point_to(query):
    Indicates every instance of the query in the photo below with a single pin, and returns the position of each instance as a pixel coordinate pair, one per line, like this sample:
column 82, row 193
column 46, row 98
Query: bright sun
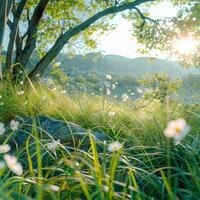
column 185, row 45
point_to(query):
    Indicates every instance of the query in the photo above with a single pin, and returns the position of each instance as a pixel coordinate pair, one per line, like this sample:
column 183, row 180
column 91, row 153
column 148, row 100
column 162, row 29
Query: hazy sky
column 121, row 42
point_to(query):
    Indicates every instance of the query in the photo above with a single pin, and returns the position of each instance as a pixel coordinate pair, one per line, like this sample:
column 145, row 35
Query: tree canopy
column 163, row 34
column 48, row 26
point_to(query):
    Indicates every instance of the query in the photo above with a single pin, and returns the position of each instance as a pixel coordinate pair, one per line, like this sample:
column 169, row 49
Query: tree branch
column 3, row 12
column 64, row 38
column 9, row 7
column 3, row 21
column 32, row 32
column 28, row 20
column 13, row 33
column 144, row 18
column 18, row 43
column 9, row 23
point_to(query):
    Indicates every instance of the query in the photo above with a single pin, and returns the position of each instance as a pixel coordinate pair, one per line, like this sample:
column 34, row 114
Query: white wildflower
column 113, row 86
column 13, row 164
column 54, row 89
column 63, row 91
column 14, row 125
column 78, row 173
column 76, row 163
column 49, row 81
column 4, row 148
column 52, row 145
column 108, row 77
column 132, row 93
column 19, row 93
column 54, row 188
column 115, row 146
column 105, row 188
column 107, row 91
column 21, row 82
column 177, row 129
column 125, row 97
column 1, row 103
column 148, row 91
column 57, row 64
column 111, row 113
column 2, row 128
column 44, row 98
column 139, row 91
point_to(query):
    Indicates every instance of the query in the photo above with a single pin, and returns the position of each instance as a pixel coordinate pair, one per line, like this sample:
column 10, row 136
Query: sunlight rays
column 185, row 45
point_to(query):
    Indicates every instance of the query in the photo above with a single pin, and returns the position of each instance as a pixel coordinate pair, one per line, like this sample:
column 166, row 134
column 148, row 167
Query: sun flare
column 185, row 45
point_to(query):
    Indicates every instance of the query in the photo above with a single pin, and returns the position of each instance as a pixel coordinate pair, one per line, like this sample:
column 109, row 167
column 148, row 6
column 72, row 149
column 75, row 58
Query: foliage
column 160, row 86
column 58, row 75
column 193, row 81
column 47, row 26
column 168, row 30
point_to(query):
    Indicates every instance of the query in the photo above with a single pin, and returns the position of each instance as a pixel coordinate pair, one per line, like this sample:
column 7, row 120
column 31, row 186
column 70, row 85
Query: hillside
column 118, row 65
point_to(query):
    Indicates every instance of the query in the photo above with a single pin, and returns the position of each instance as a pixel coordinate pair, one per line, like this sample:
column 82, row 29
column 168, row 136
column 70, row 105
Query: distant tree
column 58, row 75
column 192, row 81
column 46, row 26
column 159, row 86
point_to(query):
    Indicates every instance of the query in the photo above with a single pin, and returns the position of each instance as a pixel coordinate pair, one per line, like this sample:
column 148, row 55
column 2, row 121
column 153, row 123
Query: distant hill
column 119, row 65
column 87, row 74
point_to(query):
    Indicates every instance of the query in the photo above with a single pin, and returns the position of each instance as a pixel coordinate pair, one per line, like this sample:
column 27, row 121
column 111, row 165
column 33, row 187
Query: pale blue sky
column 121, row 42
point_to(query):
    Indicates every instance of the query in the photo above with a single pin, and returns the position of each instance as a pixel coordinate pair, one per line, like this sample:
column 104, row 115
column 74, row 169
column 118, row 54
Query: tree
column 168, row 30
column 47, row 26
column 5, row 6
column 160, row 87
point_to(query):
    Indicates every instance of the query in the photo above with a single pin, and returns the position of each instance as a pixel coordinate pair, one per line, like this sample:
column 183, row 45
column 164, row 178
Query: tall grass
column 140, row 170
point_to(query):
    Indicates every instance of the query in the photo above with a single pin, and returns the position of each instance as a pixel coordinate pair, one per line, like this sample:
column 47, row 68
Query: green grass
column 148, row 167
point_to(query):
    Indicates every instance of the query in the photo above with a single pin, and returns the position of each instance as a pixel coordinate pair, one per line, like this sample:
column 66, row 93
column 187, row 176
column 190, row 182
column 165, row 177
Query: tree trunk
column 23, row 55
column 47, row 59
column 3, row 14
column 13, row 34
column 32, row 33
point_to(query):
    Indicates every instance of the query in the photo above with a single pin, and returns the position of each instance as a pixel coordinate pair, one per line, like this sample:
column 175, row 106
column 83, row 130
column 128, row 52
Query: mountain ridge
column 123, row 66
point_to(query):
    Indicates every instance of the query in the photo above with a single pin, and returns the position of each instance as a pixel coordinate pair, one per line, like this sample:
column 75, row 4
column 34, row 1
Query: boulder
column 48, row 128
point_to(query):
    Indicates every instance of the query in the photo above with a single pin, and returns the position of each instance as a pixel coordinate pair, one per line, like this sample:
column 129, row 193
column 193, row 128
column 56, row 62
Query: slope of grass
column 148, row 167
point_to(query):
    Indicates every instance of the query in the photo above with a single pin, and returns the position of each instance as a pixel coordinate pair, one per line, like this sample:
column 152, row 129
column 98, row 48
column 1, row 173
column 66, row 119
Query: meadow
column 137, row 162
column 99, row 100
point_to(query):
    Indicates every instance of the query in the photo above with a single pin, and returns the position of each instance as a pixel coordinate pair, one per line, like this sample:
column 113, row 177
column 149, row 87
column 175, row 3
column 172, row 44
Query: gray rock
column 47, row 128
